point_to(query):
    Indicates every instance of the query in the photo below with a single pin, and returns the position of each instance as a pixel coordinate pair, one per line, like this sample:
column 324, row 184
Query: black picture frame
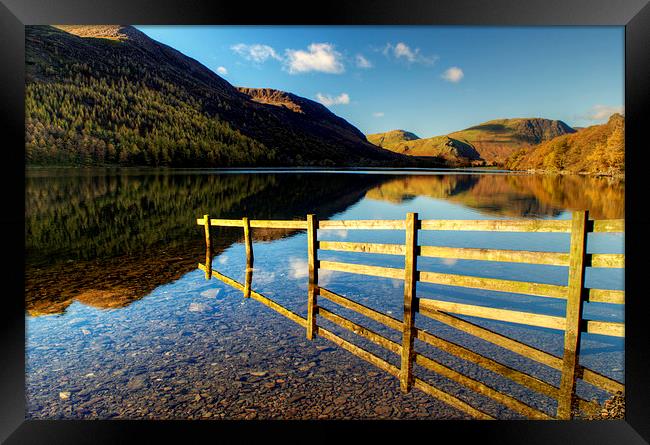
column 633, row 14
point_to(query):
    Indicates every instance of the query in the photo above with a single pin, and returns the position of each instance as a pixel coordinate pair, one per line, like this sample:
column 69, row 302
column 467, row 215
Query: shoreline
column 314, row 169
column 570, row 173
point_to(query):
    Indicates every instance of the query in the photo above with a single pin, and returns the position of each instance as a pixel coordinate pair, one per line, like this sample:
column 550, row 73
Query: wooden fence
column 573, row 324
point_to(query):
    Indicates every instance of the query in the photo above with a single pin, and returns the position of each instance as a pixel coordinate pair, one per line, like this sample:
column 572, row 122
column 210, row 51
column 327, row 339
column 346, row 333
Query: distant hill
column 491, row 142
column 451, row 150
column 597, row 149
column 392, row 137
column 108, row 94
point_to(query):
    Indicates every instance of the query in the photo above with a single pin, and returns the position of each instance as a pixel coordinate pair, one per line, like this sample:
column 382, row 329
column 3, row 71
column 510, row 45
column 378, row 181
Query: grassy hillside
column 490, row 142
column 454, row 152
column 391, row 137
column 495, row 140
column 111, row 95
column 598, row 149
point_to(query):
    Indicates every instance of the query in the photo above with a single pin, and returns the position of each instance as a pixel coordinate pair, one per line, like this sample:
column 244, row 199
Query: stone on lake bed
column 295, row 398
column 64, row 395
column 136, row 383
column 210, row 293
column 307, row 367
column 259, row 373
column 198, row 307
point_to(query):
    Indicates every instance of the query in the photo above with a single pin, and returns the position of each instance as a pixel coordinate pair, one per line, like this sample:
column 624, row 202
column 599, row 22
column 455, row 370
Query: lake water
column 121, row 324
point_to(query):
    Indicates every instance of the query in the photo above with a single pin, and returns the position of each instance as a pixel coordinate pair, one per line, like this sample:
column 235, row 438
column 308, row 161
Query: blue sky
column 431, row 80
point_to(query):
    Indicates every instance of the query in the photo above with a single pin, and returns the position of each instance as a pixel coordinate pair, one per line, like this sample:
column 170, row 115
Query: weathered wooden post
column 410, row 275
column 248, row 241
column 312, row 259
column 575, row 292
column 208, row 247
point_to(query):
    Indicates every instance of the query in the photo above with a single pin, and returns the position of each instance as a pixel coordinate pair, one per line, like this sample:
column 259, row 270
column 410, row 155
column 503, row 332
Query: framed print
column 264, row 219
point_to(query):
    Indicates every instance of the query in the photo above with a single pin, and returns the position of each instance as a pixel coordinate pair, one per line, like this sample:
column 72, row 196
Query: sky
column 430, row 80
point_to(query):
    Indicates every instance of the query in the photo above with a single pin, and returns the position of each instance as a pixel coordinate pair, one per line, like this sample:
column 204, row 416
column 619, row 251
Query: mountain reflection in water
column 108, row 237
column 513, row 195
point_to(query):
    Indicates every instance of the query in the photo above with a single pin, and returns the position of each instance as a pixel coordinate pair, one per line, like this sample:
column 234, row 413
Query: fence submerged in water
column 573, row 324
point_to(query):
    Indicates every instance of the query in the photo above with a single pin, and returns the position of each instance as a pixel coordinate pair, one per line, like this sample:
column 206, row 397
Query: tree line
column 88, row 119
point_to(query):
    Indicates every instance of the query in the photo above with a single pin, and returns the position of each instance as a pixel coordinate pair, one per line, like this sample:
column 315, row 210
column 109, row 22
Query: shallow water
column 121, row 324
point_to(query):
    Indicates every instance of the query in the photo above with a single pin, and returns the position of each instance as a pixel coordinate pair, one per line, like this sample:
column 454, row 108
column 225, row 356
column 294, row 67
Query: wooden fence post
column 408, row 324
column 248, row 241
column 312, row 257
column 573, row 313
column 208, row 248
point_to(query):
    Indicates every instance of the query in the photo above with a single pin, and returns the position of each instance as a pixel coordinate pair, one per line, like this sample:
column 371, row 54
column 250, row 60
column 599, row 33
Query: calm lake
column 122, row 324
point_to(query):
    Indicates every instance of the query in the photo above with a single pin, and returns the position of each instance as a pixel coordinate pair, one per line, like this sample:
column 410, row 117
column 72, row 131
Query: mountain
column 108, row 94
column 491, row 141
column 598, row 149
column 453, row 151
column 308, row 114
column 392, row 137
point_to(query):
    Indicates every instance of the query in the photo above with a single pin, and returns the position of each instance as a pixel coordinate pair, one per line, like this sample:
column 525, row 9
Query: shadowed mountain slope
column 108, row 94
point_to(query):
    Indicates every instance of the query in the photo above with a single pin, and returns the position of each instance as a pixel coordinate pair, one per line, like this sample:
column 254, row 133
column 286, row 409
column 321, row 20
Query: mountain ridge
column 490, row 142
column 318, row 114
column 108, row 94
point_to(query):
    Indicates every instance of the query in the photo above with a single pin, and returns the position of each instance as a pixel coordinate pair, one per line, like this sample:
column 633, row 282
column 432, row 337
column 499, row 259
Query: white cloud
column 320, row 57
column 298, row 268
column 324, row 277
column 453, row 74
column 401, row 50
column 222, row 70
column 603, row 112
column 362, row 62
column 378, row 114
column 328, row 100
column 338, row 233
column 263, row 276
column 257, row 53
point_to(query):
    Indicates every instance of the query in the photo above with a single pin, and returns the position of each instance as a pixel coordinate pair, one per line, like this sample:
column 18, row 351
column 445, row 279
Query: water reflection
column 106, row 238
column 513, row 195
column 195, row 348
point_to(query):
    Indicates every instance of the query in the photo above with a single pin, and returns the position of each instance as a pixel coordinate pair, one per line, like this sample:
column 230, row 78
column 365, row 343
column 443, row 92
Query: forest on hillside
column 85, row 119
column 599, row 149
column 98, row 101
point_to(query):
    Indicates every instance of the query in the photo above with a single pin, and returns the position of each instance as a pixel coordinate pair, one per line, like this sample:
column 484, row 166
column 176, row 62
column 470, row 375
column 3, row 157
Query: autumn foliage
column 599, row 149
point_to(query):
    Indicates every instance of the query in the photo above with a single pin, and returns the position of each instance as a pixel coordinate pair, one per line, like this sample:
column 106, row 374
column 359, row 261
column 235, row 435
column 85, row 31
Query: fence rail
column 572, row 323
